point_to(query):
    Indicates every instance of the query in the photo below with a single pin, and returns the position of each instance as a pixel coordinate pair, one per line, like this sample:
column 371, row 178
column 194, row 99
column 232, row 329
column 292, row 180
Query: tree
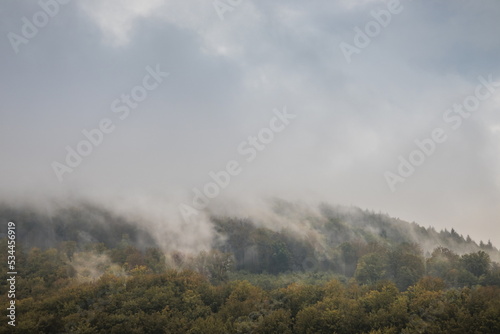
column 371, row 268
column 445, row 264
column 279, row 321
column 476, row 263
column 349, row 257
column 215, row 265
column 493, row 277
column 243, row 300
column 209, row 325
column 406, row 265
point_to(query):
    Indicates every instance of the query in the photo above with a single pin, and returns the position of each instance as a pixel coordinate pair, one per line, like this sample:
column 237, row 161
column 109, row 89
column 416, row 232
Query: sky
column 391, row 106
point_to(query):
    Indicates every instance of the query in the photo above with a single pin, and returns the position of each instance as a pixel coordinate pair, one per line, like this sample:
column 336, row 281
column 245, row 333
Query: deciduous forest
column 360, row 273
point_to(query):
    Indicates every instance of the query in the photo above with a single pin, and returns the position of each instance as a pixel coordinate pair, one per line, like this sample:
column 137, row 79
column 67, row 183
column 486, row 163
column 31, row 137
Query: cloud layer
column 226, row 76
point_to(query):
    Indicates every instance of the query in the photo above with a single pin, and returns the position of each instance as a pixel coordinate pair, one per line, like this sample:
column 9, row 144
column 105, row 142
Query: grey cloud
column 353, row 120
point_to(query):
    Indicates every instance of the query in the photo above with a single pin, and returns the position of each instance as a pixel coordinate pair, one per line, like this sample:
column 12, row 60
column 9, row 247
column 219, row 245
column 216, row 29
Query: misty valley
column 298, row 269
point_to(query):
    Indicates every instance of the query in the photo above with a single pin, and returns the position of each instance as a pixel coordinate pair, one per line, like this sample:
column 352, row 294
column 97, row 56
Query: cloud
column 116, row 19
column 227, row 76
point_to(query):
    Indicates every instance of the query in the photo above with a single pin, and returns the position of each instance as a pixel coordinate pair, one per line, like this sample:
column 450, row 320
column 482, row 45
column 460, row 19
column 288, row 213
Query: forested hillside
column 327, row 270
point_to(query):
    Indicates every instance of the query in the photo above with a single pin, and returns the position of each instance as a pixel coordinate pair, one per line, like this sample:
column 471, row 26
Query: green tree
column 277, row 322
column 406, row 265
column 476, row 263
column 371, row 268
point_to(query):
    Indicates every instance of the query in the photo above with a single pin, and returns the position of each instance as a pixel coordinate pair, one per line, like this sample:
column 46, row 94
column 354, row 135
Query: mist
column 163, row 95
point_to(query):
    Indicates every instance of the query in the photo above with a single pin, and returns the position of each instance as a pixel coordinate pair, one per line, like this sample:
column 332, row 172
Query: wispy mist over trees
column 346, row 241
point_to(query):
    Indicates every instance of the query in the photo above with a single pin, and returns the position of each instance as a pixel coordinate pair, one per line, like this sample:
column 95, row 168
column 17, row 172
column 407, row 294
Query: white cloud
column 116, row 18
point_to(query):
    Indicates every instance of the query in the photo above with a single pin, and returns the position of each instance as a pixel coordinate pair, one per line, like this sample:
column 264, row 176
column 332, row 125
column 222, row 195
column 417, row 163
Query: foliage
column 352, row 272
column 149, row 298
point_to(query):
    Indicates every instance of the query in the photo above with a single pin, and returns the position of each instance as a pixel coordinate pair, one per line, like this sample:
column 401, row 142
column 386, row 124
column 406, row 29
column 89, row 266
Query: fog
column 260, row 94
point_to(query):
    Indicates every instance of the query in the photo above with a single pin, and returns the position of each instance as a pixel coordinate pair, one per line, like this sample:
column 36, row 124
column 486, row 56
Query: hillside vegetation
column 328, row 270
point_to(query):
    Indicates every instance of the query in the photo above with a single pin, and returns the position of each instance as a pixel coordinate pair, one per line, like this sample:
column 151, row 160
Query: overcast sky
column 231, row 68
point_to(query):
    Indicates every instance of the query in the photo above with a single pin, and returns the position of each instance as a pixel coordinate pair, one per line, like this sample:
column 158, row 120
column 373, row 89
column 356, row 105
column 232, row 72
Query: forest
column 347, row 278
